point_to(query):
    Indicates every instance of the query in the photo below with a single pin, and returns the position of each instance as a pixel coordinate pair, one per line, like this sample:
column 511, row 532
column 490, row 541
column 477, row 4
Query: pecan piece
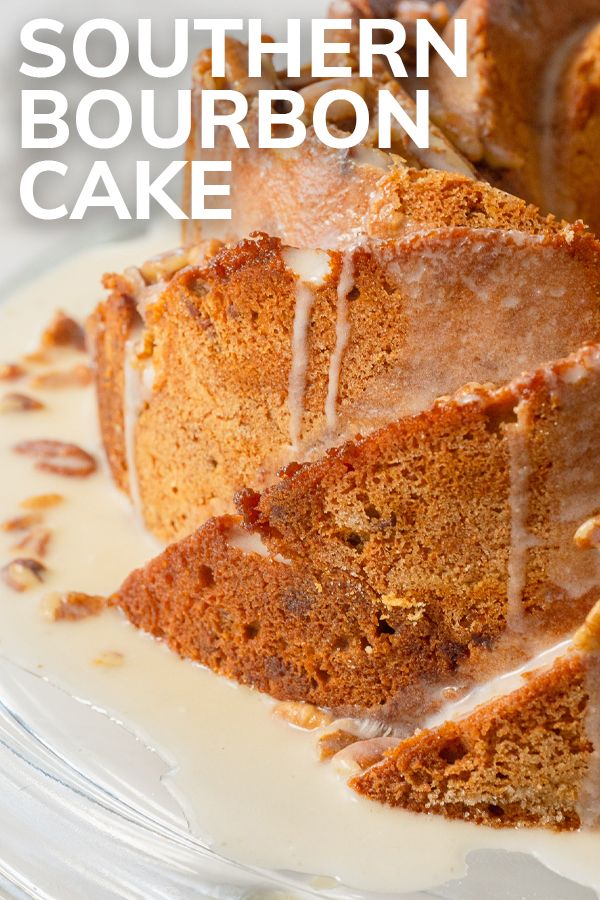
column 360, row 755
column 302, row 715
column 587, row 638
column 23, row 574
column 11, row 371
column 15, row 402
column 21, row 523
column 34, row 542
column 71, row 606
column 587, row 536
column 58, row 458
column 63, row 331
column 78, row 376
column 41, row 501
column 332, row 742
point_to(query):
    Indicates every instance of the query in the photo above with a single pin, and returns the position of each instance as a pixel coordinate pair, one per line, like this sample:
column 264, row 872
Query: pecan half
column 15, row 402
column 23, row 574
column 59, row 458
column 11, row 371
column 71, row 606
column 78, row 376
column 63, row 331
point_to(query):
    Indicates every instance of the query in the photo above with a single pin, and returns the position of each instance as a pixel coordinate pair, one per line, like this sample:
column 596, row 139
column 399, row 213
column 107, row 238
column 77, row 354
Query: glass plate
column 84, row 814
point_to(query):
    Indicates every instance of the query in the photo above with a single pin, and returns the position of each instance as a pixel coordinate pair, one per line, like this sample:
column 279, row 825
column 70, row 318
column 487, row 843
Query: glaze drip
column 520, row 538
column 132, row 405
column 297, row 385
column 342, row 334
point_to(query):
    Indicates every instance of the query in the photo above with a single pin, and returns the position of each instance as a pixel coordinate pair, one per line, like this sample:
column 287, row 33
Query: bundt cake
column 400, row 515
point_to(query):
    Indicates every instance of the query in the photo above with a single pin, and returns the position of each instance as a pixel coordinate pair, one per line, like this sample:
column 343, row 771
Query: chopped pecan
column 11, row 371
column 332, row 742
column 78, row 376
column 21, row 523
column 37, row 358
column 15, row 402
column 587, row 535
column 71, row 606
column 59, row 458
column 303, row 715
column 41, row 501
column 587, row 637
column 23, row 574
column 35, row 542
column 63, row 331
column 360, row 755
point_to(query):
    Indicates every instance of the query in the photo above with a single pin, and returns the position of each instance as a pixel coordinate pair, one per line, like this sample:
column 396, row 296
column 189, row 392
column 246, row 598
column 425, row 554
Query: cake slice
column 211, row 381
column 442, row 549
column 529, row 758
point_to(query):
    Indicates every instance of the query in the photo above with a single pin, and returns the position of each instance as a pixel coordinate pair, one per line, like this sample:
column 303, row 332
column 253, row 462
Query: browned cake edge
column 519, row 760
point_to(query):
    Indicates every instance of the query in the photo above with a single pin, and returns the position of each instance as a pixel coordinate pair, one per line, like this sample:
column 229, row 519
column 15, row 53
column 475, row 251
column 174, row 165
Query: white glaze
column 247, row 541
column 342, row 334
column 520, row 538
column 132, row 405
column 297, row 385
column 292, row 813
column 499, row 686
column 310, row 267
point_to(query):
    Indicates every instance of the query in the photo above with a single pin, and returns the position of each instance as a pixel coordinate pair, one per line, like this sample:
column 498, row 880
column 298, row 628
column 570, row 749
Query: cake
column 382, row 382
